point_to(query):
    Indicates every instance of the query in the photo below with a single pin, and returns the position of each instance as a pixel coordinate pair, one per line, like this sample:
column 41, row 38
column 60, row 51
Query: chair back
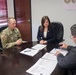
column 59, row 31
column 1, row 29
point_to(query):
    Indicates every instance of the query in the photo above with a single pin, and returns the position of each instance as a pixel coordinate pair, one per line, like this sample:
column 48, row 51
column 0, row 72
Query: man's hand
column 63, row 45
column 18, row 42
column 57, row 53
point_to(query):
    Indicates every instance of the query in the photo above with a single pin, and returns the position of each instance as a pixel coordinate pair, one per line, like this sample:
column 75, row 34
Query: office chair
column 59, row 31
column 1, row 29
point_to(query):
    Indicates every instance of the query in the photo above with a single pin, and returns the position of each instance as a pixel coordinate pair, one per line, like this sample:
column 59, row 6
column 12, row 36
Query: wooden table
column 14, row 63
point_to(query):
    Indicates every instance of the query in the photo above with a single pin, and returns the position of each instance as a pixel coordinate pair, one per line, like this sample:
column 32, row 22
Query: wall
column 56, row 12
column 52, row 8
column 10, row 7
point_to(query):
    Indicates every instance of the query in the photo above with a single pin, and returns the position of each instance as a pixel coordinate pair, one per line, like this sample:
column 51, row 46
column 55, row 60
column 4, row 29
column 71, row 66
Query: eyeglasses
column 71, row 36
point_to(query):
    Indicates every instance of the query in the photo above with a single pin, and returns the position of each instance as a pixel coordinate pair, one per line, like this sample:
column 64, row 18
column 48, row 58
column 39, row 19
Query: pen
column 55, row 48
column 27, row 50
column 33, row 49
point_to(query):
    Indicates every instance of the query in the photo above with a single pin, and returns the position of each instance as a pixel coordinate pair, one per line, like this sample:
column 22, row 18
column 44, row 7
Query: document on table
column 64, row 52
column 42, row 67
column 38, row 46
column 49, row 56
column 24, row 41
column 29, row 52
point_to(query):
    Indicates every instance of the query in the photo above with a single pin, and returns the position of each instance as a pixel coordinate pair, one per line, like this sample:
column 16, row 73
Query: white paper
column 39, row 47
column 29, row 52
column 49, row 56
column 64, row 52
column 24, row 41
column 42, row 67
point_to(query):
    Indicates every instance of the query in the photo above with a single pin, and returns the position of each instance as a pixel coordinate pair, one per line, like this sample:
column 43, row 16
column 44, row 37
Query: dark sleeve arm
column 52, row 39
column 39, row 37
column 68, row 61
column 69, row 48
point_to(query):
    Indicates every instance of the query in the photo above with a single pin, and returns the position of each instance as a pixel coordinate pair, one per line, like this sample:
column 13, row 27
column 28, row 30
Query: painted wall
column 56, row 12
column 10, row 7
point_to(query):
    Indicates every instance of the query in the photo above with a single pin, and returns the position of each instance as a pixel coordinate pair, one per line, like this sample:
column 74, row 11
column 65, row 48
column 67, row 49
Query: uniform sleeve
column 4, row 39
column 68, row 61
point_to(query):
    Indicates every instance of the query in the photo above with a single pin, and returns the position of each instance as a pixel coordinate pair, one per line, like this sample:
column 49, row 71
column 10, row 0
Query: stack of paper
column 49, row 56
column 42, row 67
column 33, row 50
column 46, row 64
column 29, row 52
column 64, row 52
column 38, row 47
column 24, row 41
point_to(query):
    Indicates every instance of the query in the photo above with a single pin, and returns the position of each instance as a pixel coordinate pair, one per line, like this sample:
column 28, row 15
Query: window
column 3, row 12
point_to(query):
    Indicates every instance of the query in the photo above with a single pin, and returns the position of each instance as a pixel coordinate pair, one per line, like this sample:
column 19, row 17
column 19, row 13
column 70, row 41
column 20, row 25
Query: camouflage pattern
column 9, row 37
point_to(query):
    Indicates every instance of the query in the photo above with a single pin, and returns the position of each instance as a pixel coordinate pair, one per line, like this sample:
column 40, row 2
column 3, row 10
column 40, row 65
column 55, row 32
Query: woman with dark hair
column 45, row 31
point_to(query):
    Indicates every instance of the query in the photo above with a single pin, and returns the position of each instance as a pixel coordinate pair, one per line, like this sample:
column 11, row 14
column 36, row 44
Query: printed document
column 42, row 67
column 46, row 64
column 64, row 52
column 29, row 52
column 39, row 46
column 49, row 56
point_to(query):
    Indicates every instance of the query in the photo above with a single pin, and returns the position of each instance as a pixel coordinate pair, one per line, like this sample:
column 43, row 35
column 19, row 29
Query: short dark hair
column 73, row 30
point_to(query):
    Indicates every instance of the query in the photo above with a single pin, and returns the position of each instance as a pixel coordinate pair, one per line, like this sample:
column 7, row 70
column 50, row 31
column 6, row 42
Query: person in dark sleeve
column 68, row 62
column 45, row 31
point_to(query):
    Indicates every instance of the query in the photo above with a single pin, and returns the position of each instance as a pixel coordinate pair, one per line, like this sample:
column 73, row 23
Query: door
column 22, row 10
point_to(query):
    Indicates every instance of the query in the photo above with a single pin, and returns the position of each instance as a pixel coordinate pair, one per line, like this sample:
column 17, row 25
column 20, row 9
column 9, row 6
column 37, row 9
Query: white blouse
column 45, row 34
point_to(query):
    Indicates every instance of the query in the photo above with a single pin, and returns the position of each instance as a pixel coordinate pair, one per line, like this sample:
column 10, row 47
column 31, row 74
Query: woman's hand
column 43, row 42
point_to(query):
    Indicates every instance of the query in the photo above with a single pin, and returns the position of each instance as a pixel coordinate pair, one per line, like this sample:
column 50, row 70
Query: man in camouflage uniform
column 11, row 35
